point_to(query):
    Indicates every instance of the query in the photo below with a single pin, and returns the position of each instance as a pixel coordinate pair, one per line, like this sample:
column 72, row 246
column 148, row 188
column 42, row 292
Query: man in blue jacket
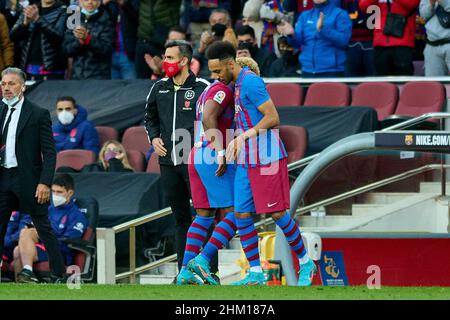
column 323, row 34
column 67, row 221
column 73, row 130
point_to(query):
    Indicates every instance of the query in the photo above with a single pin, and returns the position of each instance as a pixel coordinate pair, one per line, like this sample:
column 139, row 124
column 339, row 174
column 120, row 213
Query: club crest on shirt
column 219, row 97
column 189, row 95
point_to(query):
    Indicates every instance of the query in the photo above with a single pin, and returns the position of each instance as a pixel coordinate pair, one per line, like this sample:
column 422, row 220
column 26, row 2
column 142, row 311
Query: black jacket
column 50, row 29
column 129, row 15
column 161, row 120
column 35, row 152
column 92, row 60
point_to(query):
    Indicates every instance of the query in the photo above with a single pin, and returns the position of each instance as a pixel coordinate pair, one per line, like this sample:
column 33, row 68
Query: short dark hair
column 67, row 98
column 221, row 50
column 64, row 180
column 184, row 47
column 177, row 29
column 243, row 30
column 245, row 46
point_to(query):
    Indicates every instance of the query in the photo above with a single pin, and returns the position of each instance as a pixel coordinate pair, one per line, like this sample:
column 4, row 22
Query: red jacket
column 403, row 7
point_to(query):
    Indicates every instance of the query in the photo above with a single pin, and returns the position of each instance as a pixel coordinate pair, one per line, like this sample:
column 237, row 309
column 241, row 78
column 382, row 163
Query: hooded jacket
column 67, row 221
column 435, row 31
column 92, row 59
column 323, row 51
column 50, row 32
column 80, row 134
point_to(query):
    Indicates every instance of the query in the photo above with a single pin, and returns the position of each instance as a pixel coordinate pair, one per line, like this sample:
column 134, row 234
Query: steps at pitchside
column 377, row 212
column 229, row 271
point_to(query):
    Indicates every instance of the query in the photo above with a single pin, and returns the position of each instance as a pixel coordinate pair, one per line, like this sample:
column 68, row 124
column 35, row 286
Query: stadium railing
column 106, row 264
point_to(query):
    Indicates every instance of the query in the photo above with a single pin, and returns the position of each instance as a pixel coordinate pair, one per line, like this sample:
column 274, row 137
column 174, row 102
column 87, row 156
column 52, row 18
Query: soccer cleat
column 200, row 267
column 187, row 277
column 306, row 274
column 252, row 279
column 27, row 276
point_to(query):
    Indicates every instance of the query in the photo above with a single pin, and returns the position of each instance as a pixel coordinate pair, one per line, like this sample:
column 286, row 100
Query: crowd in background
column 124, row 39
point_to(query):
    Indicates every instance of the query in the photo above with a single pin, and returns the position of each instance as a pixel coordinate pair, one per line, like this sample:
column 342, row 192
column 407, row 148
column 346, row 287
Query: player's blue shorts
column 207, row 189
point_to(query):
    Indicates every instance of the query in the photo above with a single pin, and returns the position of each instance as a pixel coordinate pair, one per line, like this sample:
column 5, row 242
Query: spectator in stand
column 91, row 44
column 39, row 34
column 6, row 46
column 124, row 15
column 287, row 65
column 263, row 16
column 220, row 24
column 112, row 158
column 156, row 62
column 322, row 34
column 12, row 9
column 155, row 19
column 262, row 56
column 244, row 49
column 67, row 221
column 73, row 130
column 437, row 50
column 360, row 49
column 196, row 16
column 393, row 45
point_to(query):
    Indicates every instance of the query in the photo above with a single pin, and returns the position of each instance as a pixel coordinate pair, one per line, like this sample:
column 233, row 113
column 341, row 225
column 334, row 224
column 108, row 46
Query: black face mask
column 218, row 30
column 289, row 56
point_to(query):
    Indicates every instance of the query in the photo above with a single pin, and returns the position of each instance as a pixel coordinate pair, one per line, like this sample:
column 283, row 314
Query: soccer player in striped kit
column 261, row 180
column 212, row 182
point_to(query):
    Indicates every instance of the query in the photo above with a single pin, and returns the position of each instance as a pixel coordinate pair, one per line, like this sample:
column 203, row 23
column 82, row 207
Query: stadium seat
column 285, row 94
column 84, row 248
column 135, row 138
column 421, row 97
column 106, row 133
column 75, row 159
column 136, row 159
column 328, row 94
column 295, row 140
column 381, row 96
column 153, row 164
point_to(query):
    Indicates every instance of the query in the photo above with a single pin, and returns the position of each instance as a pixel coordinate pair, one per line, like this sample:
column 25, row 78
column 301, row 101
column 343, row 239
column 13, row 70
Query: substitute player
column 211, row 181
column 212, row 186
column 261, row 182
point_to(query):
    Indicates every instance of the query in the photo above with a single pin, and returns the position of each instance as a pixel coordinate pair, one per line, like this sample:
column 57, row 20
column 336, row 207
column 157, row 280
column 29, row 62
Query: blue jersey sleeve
column 255, row 90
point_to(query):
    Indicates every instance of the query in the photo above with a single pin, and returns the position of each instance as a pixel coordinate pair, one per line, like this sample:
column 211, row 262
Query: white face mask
column 65, row 117
column 11, row 102
column 58, row 200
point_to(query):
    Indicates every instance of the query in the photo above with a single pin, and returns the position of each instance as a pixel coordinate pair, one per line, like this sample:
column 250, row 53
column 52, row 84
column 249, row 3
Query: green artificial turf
column 172, row 292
